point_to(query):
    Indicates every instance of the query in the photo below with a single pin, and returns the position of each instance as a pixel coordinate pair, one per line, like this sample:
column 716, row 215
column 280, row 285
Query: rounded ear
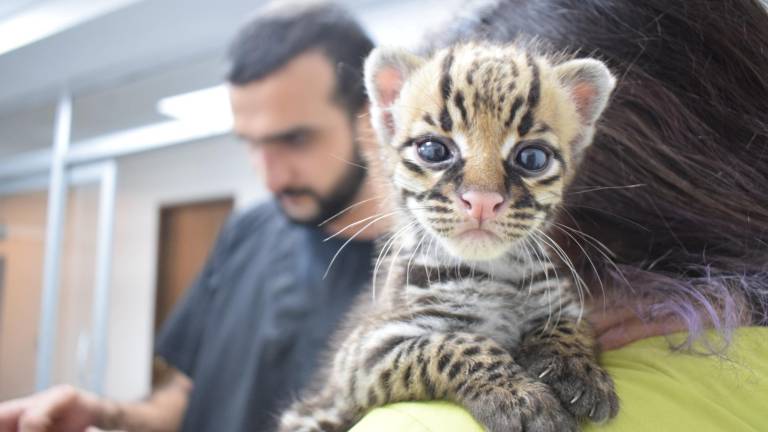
column 589, row 83
column 386, row 70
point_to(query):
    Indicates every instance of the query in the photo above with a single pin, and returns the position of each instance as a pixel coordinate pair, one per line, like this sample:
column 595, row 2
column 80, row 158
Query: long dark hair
column 676, row 183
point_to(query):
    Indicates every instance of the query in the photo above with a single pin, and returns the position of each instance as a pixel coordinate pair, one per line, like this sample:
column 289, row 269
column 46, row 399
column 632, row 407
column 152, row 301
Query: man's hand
column 67, row 409
column 59, row 409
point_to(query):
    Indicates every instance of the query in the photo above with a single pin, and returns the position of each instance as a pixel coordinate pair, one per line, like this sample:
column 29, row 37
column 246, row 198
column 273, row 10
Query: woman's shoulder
column 660, row 390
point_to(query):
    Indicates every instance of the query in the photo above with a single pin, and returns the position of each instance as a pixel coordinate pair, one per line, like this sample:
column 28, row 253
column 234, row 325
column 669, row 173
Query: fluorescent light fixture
column 142, row 138
column 48, row 17
column 209, row 106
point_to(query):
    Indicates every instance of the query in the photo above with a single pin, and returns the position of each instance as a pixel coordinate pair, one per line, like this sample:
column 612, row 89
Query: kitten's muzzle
column 482, row 206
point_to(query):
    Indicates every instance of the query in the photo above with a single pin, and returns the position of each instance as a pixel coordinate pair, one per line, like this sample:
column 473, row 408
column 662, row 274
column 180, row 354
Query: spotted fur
column 492, row 322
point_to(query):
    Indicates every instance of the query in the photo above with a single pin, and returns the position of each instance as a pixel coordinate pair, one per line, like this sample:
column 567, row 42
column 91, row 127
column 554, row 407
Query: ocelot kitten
column 478, row 142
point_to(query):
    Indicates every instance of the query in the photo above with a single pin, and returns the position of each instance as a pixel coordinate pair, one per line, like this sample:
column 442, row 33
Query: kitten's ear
column 386, row 70
column 589, row 83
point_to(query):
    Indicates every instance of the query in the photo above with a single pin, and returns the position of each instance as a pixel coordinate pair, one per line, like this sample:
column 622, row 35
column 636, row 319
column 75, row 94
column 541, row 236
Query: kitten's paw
column 304, row 419
column 520, row 406
column 585, row 389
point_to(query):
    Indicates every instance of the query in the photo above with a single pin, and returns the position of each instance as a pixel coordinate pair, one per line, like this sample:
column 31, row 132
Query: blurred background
column 117, row 169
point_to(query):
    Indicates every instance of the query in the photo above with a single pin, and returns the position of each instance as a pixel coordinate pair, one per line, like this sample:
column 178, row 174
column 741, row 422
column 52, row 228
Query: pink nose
column 482, row 205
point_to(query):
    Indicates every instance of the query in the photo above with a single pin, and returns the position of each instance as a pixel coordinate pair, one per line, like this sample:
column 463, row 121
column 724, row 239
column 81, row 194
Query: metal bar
column 110, row 146
column 16, row 186
column 142, row 139
column 57, row 199
column 100, row 319
column 25, row 164
column 35, row 183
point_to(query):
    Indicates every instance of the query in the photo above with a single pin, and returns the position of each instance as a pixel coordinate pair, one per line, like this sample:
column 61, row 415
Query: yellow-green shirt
column 660, row 391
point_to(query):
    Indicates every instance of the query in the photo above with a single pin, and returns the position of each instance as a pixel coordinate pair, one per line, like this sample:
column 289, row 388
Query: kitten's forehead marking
column 487, row 100
column 493, row 91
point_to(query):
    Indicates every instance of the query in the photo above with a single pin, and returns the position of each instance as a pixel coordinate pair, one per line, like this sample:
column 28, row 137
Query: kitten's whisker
column 410, row 260
column 426, row 257
column 336, row 255
column 339, row 158
column 644, row 228
column 602, row 249
column 347, row 209
column 586, row 255
column 530, row 252
column 541, row 252
column 581, row 286
column 385, row 250
column 399, row 250
column 362, row 221
column 435, row 252
column 359, row 222
column 605, row 252
column 396, row 258
column 600, row 188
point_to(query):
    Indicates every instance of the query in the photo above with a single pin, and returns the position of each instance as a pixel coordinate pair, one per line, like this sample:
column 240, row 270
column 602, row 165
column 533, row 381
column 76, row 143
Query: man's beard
column 345, row 190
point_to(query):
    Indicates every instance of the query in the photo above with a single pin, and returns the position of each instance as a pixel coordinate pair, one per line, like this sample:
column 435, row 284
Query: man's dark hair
column 277, row 35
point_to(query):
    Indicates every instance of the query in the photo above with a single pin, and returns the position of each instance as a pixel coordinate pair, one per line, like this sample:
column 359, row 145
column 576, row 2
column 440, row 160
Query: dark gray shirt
column 251, row 330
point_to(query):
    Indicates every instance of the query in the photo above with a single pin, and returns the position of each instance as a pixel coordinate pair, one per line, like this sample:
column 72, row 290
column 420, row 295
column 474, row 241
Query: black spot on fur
column 473, row 350
column 495, row 351
column 516, row 104
column 526, row 123
column 383, row 349
column 455, row 369
column 548, row 181
column 458, row 99
column 442, row 362
column 446, row 122
column 534, row 93
column 412, row 167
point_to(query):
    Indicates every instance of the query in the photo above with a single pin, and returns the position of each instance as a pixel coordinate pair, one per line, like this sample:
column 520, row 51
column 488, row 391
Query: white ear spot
column 589, row 84
column 386, row 71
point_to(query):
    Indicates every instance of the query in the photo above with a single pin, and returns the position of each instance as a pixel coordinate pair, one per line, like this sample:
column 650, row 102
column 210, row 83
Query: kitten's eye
column 433, row 151
column 532, row 158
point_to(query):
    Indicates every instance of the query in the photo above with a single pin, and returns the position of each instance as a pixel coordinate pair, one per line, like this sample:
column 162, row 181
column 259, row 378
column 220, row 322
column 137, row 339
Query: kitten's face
column 481, row 140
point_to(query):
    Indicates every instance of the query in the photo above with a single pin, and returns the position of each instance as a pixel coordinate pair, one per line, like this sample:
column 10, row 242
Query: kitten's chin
column 476, row 245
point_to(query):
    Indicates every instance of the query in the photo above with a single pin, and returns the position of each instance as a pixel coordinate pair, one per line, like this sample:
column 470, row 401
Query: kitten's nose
column 482, row 205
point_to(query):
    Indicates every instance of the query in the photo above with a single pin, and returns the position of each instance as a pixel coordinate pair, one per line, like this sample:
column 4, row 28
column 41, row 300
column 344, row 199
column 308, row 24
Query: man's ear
column 589, row 84
column 386, row 70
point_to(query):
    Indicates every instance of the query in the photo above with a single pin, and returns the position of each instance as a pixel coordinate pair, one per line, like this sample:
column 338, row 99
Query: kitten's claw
column 584, row 388
column 575, row 398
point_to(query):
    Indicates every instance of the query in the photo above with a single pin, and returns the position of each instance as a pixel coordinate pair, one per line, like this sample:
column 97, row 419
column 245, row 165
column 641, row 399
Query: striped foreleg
column 383, row 366
column 564, row 357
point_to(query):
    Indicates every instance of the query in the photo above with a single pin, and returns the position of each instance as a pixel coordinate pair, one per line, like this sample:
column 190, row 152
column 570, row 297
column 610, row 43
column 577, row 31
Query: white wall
column 191, row 172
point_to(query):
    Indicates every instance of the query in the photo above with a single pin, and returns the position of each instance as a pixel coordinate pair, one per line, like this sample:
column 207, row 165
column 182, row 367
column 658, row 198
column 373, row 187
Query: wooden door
column 187, row 235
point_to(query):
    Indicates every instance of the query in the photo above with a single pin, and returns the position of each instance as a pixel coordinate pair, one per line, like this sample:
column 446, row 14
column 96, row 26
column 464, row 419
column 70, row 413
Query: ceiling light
column 208, row 106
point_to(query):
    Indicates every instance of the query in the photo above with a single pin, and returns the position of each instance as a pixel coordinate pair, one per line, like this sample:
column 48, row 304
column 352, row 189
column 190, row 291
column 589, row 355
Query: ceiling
column 9, row 7
column 120, row 64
